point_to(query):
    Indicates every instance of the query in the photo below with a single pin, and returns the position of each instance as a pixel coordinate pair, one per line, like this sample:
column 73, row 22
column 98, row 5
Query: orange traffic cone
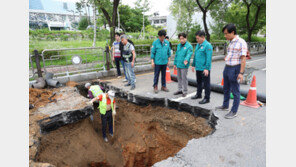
column 251, row 100
column 222, row 82
column 168, row 76
column 175, row 71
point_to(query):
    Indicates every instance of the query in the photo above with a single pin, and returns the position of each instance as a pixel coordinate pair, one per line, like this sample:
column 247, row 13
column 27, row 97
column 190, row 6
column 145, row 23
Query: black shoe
column 133, row 87
column 178, row 92
column 222, row 108
column 184, row 94
column 230, row 115
column 196, row 97
column 204, row 101
column 127, row 84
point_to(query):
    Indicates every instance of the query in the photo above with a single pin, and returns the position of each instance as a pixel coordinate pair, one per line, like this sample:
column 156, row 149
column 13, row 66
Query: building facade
column 55, row 14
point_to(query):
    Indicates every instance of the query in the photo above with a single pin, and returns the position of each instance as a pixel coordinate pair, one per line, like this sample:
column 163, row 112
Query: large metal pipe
column 219, row 88
column 39, row 84
column 50, row 81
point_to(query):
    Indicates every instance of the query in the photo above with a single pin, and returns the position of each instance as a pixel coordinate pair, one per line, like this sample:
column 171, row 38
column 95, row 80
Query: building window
column 65, row 6
column 163, row 21
column 156, row 21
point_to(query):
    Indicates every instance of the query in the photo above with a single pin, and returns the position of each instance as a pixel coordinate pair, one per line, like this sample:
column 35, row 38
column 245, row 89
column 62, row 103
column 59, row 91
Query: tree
column 183, row 11
column 79, row 8
column 204, row 10
column 218, row 13
column 143, row 6
column 131, row 18
column 191, row 35
column 236, row 12
column 104, row 6
column 254, row 9
column 83, row 23
column 95, row 24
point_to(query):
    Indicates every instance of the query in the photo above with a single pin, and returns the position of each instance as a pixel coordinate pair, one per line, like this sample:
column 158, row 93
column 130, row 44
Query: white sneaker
column 135, row 80
column 106, row 140
column 125, row 80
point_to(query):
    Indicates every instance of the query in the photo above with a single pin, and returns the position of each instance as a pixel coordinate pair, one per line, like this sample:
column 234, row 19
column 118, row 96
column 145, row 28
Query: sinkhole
column 144, row 135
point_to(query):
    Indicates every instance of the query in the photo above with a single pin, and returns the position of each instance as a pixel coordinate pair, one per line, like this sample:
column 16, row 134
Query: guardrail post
column 37, row 60
column 107, row 58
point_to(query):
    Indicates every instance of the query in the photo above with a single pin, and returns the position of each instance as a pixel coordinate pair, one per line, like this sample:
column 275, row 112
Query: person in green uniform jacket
column 181, row 63
column 202, row 66
column 160, row 58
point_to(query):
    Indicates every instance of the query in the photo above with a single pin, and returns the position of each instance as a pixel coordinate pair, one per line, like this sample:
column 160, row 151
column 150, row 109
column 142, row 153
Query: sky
column 162, row 6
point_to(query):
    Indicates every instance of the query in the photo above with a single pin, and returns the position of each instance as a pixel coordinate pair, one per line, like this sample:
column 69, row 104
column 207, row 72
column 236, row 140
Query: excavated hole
column 143, row 136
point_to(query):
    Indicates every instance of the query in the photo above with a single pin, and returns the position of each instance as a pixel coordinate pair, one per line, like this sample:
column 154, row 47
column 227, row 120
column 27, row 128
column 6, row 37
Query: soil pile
column 143, row 136
column 40, row 97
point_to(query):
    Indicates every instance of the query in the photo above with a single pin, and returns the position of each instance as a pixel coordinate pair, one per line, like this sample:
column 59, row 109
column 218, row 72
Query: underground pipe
column 50, row 81
column 219, row 88
column 39, row 84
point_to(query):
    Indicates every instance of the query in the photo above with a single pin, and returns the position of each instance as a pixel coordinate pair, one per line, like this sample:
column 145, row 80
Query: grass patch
column 41, row 45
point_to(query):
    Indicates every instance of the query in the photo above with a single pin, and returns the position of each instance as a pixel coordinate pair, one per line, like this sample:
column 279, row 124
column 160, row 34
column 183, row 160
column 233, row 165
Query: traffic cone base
column 251, row 100
column 244, row 103
column 222, row 82
column 175, row 72
column 168, row 76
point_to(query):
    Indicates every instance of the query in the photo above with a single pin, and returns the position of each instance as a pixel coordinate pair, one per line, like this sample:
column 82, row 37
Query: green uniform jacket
column 160, row 52
column 203, row 56
column 184, row 52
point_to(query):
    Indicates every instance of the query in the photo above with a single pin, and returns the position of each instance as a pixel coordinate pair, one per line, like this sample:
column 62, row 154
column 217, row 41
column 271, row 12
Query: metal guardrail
column 60, row 61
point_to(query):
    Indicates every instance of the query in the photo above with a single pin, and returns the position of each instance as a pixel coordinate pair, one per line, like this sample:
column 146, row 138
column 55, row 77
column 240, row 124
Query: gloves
column 113, row 112
column 90, row 103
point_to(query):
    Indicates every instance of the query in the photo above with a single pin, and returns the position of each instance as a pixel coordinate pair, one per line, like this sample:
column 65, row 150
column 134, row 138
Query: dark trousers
column 117, row 62
column 203, row 82
column 231, row 85
column 157, row 70
column 107, row 118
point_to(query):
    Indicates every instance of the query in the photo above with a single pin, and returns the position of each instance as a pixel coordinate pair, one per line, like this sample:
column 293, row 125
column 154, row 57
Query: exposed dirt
column 71, row 83
column 143, row 136
column 40, row 97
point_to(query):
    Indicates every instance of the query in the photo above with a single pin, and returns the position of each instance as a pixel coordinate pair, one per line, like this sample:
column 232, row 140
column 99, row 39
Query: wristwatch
column 242, row 73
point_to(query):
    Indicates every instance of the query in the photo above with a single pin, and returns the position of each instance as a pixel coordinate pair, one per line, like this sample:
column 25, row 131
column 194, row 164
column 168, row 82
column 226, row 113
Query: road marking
column 255, row 60
column 181, row 98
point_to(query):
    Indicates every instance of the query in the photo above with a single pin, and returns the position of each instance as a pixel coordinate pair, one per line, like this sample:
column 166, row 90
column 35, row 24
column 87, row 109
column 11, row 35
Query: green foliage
column 191, row 35
column 235, row 11
column 152, row 30
column 254, row 38
column 64, row 35
column 50, row 37
column 183, row 10
column 131, row 18
column 83, row 23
